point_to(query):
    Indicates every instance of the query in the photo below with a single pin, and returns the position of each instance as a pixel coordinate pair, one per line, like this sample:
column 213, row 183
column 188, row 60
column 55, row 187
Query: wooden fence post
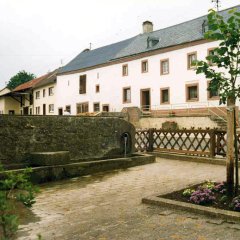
column 150, row 140
column 212, row 143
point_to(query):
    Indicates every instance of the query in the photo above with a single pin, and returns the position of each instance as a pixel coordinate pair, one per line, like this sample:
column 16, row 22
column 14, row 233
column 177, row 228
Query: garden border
column 209, row 211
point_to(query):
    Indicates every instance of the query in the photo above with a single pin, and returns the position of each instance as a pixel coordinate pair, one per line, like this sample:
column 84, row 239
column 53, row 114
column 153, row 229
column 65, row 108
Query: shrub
column 235, row 204
column 14, row 187
column 209, row 185
column 188, row 192
column 202, row 196
column 220, row 187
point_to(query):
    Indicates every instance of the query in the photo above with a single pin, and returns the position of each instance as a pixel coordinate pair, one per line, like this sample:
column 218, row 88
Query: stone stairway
column 220, row 122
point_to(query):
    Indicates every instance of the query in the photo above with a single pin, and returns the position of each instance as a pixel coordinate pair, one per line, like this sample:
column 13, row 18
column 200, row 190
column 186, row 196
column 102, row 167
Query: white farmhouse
column 152, row 70
column 44, row 95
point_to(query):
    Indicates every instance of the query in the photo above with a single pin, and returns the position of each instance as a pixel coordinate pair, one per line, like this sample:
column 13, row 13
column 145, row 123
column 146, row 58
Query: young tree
column 20, row 78
column 223, row 69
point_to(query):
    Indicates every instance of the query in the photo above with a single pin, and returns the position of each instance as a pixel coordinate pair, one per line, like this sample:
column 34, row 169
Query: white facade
column 44, row 100
column 111, row 83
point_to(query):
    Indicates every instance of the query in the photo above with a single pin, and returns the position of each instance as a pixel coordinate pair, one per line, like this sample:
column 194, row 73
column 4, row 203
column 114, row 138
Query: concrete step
column 49, row 158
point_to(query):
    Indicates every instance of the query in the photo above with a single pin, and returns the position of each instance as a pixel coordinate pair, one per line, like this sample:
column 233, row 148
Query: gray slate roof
column 51, row 78
column 171, row 36
column 95, row 57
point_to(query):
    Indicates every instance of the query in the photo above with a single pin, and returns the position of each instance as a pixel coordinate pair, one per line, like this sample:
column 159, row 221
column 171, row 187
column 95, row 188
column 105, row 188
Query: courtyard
column 107, row 206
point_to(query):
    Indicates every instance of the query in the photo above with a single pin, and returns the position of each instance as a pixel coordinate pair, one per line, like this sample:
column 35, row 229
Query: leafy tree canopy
column 225, row 57
column 20, row 78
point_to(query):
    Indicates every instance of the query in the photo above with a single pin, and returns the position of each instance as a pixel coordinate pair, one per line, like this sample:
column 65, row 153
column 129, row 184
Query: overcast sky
column 36, row 35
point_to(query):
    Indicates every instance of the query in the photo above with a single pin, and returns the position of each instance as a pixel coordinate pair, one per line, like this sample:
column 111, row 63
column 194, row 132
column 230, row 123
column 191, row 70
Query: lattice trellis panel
column 221, row 143
column 183, row 141
column 142, row 141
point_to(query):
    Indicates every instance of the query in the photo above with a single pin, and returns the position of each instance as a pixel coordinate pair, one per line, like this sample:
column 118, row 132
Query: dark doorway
column 60, row 111
column 11, row 112
column 145, row 99
column 105, row 108
column 25, row 111
column 44, row 109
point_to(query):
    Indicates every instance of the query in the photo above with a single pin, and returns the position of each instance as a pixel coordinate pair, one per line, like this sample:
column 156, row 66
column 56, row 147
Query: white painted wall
column 48, row 99
column 112, row 82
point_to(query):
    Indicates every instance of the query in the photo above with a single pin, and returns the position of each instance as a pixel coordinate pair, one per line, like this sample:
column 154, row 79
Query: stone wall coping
column 209, row 211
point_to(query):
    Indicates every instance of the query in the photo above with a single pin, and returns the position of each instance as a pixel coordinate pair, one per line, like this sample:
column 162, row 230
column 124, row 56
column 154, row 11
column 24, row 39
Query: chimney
column 147, row 27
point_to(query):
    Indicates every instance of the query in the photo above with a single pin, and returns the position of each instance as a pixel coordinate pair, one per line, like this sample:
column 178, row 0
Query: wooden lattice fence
column 210, row 142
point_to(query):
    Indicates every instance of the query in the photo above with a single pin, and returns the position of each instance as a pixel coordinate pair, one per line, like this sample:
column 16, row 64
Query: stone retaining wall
column 83, row 137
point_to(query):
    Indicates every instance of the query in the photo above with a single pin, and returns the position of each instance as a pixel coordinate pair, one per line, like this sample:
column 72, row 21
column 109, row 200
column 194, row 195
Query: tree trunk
column 230, row 145
column 236, row 151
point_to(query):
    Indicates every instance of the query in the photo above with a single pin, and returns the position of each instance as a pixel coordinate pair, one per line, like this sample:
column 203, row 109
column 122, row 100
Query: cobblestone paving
column 108, row 206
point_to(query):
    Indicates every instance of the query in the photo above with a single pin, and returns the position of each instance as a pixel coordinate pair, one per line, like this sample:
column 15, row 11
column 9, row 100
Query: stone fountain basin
column 60, row 171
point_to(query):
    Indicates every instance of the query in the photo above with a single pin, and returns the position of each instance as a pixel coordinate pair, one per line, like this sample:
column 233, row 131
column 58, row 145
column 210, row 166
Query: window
column 44, row 92
column 97, row 88
column 211, row 52
column 37, row 94
column 82, row 107
column 164, row 65
column 11, row 112
column 68, row 108
column 125, row 70
column 37, row 110
column 82, row 84
column 213, row 94
column 192, row 92
column 96, row 107
column 51, row 108
column 191, row 58
column 164, row 96
column 105, row 108
column 127, row 95
column 50, row 91
column 144, row 66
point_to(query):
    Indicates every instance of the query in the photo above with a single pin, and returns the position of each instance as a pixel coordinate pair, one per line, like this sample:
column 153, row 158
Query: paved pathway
column 108, row 206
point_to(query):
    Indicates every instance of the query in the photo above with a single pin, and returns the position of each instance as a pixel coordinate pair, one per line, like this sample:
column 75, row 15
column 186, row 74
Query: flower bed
column 208, row 193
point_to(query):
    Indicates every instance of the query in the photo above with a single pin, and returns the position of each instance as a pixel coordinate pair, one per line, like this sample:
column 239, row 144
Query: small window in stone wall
column 44, row 92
